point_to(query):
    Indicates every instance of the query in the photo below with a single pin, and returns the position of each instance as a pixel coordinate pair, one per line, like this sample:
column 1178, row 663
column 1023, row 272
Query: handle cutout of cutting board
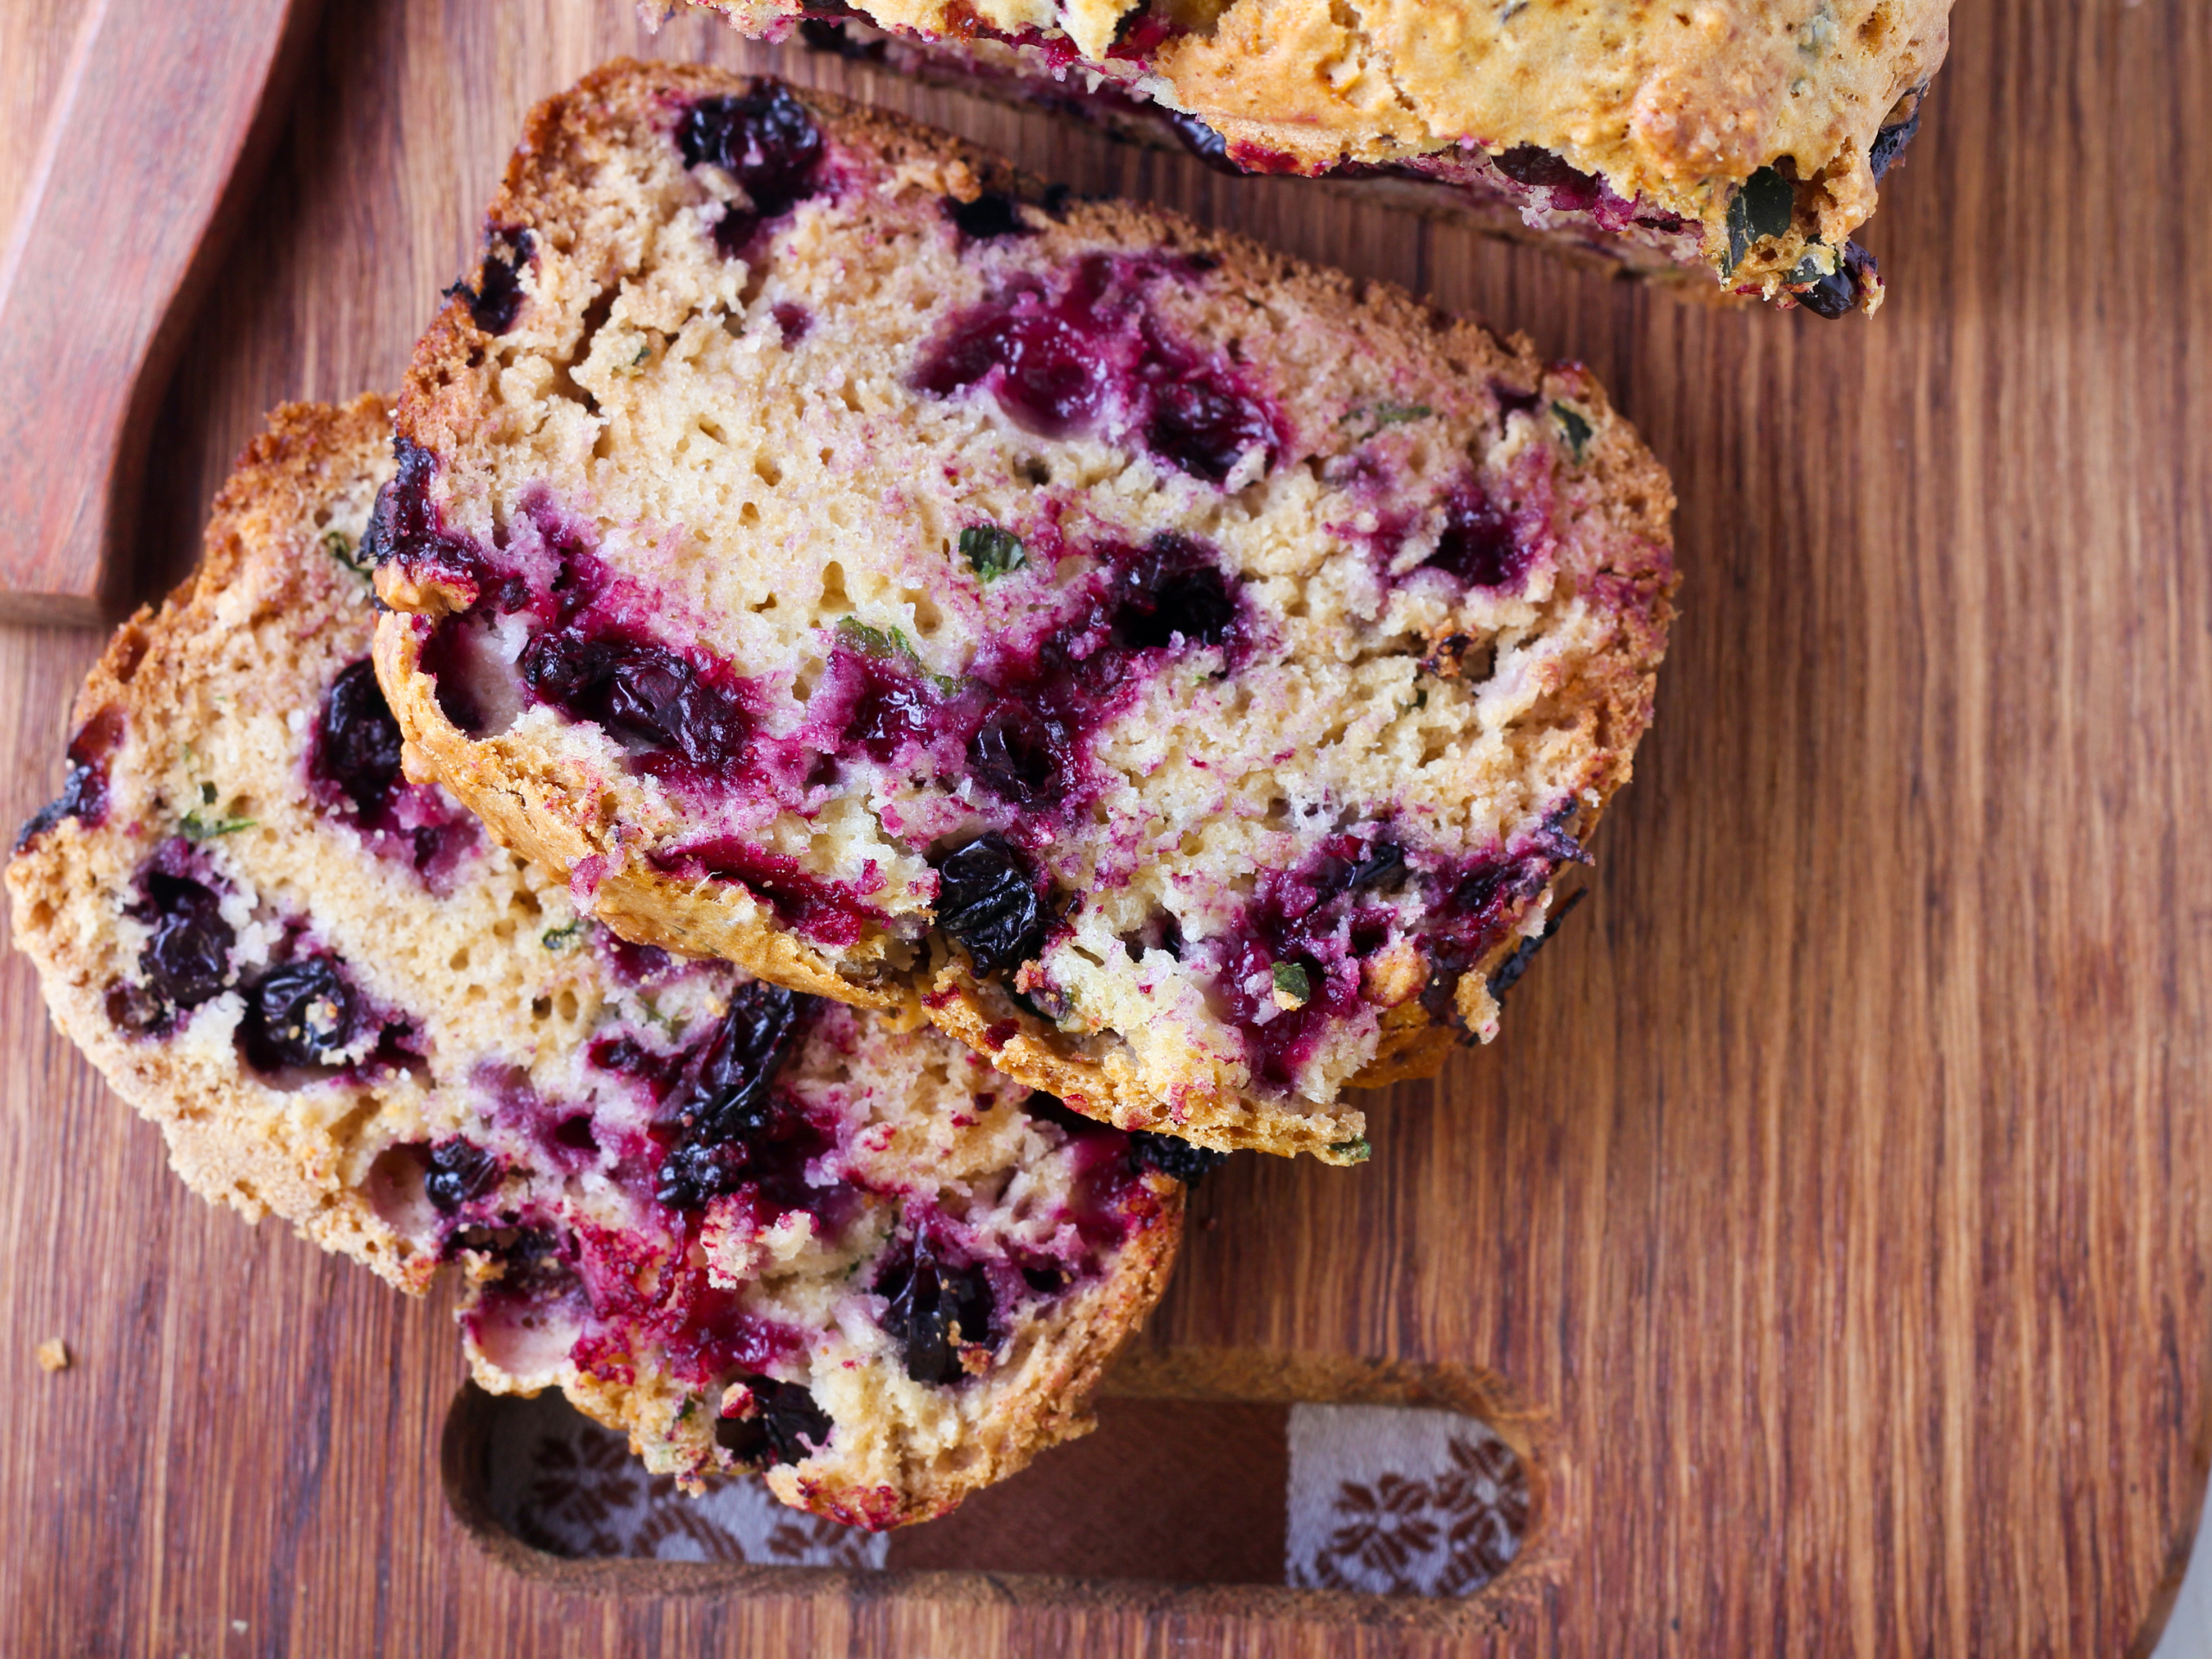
column 1205, row 1487
column 163, row 113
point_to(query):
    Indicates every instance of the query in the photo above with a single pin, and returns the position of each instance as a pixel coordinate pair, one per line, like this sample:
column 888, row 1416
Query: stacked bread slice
column 1179, row 673
column 908, row 715
column 1730, row 148
column 755, row 1229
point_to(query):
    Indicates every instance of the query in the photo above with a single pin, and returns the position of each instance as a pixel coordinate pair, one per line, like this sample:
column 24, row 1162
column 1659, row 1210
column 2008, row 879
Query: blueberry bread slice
column 753, row 1229
column 1182, row 673
column 1731, row 148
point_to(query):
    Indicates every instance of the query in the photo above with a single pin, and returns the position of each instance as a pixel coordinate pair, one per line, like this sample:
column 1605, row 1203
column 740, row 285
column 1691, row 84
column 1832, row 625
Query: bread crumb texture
column 756, row 1231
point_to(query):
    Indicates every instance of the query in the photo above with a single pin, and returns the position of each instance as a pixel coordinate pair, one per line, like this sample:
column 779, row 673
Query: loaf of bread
column 1181, row 673
column 755, row 1229
column 1732, row 147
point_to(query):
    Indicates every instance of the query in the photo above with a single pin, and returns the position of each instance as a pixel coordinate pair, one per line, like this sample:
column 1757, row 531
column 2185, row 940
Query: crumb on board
column 53, row 1355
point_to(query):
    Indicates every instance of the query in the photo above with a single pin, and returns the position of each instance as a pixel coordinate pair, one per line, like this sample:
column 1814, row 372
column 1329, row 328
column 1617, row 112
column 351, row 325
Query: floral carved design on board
column 1416, row 1512
column 563, row 1484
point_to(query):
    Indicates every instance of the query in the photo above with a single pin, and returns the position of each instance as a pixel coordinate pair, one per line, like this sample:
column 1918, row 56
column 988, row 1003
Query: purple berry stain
column 83, row 791
column 354, row 768
column 1477, row 545
column 830, row 912
column 766, row 141
column 1091, row 356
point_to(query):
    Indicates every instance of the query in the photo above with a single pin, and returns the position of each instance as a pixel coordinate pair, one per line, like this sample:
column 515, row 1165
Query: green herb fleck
column 645, row 350
column 1354, row 1151
column 883, row 643
column 561, row 937
column 206, row 794
column 1293, row 988
column 673, row 1023
column 1764, row 206
column 340, row 546
column 878, row 642
column 992, row 552
column 1382, row 413
column 196, row 828
column 1579, row 431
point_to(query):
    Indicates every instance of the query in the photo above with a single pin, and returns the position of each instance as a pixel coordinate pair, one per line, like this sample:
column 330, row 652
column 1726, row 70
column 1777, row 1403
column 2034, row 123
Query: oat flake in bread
column 1727, row 146
column 1182, row 672
column 753, row 1229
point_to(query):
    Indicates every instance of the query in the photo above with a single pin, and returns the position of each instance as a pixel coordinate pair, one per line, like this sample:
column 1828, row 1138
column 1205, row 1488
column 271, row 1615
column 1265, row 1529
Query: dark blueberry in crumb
column 1889, row 142
column 1204, row 429
column 357, row 741
column 787, row 1425
column 768, row 142
column 1536, row 167
column 1512, row 400
column 461, row 1171
column 1478, row 545
column 1049, row 378
column 1836, row 294
column 792, row 320
column 988, row 904
column 828, row 34
column 1765, row 205
column 83, row 791
column 1050, row 1109
column 989, row 216
column 1384, row 863
column 646, row 695
column 728, row 1105
column 496, row 302
column 1166, row 601
column 1201, row 140
column 1475, row 892
column 402, row 524
column 189, row 959
column 936, row 1310
column 300, row 1014
column 1172, row 1157
column 1019, row 754
column 1508, row 973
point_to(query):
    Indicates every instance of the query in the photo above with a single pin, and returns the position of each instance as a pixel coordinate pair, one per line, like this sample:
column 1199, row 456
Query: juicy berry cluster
column 1092, row 356
column 727, row 1115
column 768, row 142
column 937, row 1307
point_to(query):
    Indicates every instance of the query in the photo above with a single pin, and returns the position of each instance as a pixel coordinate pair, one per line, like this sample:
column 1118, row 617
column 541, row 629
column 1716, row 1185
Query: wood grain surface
column 151, row 129
column 1835, row 1197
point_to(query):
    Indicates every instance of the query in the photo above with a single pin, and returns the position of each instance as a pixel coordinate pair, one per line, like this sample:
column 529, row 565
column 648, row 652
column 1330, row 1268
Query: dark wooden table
column 1836, row 1197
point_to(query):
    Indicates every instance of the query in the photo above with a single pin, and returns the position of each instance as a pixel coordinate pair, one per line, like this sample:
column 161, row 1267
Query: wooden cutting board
column 1835, row 1200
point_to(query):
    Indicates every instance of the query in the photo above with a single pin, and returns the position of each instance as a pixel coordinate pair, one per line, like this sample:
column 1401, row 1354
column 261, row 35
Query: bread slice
column 1731, row 148
column 753, row 1229
column 1183, row 673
